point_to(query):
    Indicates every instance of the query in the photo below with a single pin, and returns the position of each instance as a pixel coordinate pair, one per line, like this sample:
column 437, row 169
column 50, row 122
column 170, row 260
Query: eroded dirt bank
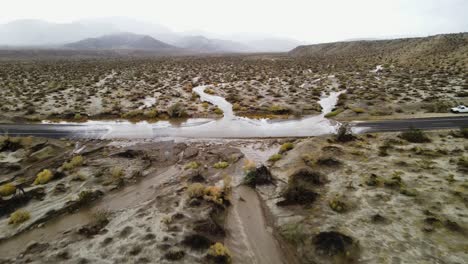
column 131, row 202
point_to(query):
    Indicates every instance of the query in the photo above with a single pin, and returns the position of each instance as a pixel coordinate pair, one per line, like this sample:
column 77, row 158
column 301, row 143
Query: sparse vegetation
column 43, row 177
column 286, row 147
column 218, row 253
column 275, row 157
column 19, row 217
column 221, row 165
column 76, row 161
column 192, row 165
column 415, row 136
column 7, row 189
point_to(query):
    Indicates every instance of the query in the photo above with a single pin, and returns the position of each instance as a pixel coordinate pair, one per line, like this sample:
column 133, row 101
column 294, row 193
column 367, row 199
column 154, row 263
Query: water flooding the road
column 230, row 126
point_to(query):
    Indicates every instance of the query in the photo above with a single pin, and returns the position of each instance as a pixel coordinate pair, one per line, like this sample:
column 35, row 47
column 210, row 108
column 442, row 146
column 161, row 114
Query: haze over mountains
column 41, row 33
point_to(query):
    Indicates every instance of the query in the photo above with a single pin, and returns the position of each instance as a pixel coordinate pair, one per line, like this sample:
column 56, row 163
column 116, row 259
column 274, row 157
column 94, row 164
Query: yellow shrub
column 43, row 177
column 7, row 189
column 219, row 250
column 18, row 217
column 218, row 111
column 196, row 190
column 73, row 163
column 286, row 146
column 192, row 165
column 221, row 165
column 275, row 157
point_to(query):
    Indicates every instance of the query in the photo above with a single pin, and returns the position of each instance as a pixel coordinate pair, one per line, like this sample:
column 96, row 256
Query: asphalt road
column 432, row 123
column 98, row 132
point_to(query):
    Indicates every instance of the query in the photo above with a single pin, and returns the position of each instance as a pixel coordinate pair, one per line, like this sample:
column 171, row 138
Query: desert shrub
column 332, row 243
column 7, row 189
column 221, row 165
column 218, row 253
column 275, row 157
column 300, row 189
column 174, row 255
column 344, row 133
column 18, row 217
column 192, row 165
column 73, row 163
column 258, row 176
column 116, row 172
column 236, row 107
column 209, row 91
column 195, row 190
column 334, row 113
column 214, row 194
column 249, row 165
column 176, row 110
column 415, row 136
column 133, row 114
column 153, row 113
column 463, row 163
column 358, row 110
column 279, row 109
column 464, row 132
column 338, row 205
column 293, row 233
column 218, row 111
column 197, row 242
column 43, row 177
column 286, row 147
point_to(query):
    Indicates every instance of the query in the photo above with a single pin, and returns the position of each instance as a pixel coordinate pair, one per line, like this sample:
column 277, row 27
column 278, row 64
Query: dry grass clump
column 18, row 217
column 43, row 177
column 7, row 189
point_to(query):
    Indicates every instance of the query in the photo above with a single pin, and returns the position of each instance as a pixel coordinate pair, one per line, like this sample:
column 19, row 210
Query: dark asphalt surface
column 97, row 132
column 432, row 123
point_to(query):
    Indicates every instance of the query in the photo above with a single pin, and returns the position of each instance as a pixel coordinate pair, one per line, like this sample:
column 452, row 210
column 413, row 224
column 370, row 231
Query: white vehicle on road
column 460, row 109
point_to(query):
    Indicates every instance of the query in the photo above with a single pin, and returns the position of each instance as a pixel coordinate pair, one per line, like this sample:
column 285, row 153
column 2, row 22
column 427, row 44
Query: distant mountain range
column 402, row 49
column 45, row 34
column 122, row 41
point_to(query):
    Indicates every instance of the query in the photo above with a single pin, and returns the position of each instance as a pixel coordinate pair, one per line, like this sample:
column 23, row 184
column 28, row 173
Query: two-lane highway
column 131, row 131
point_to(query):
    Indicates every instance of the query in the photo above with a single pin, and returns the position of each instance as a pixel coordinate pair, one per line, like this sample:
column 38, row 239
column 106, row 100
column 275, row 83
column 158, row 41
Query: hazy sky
column 307, row 20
